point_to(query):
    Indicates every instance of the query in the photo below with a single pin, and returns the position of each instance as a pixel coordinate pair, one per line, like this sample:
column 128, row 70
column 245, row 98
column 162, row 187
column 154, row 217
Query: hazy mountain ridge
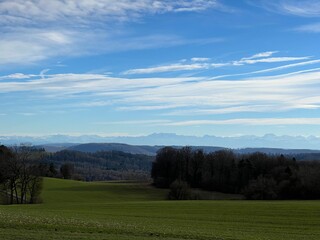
column 169, row 139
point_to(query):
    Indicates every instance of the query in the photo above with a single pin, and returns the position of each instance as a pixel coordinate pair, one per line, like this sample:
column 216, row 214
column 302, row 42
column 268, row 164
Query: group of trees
column 257, row 175
column 20, row 175
column 66, row 170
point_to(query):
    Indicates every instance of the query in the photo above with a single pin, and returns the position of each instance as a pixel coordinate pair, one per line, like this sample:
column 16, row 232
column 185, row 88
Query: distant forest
column 98, row 166
column 257, row 175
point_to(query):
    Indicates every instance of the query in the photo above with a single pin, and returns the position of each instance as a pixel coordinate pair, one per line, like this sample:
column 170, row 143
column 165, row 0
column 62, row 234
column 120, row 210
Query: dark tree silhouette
column 67, row 170
column 20, row 175
column 257, row 175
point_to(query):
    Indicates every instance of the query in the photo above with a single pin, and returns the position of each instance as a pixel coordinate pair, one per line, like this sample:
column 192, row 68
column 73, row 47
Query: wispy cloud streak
column 302, row 8
column 173, row 96
column 250, row 121
column 203, row 63
column 311, row 28
column 84, row 12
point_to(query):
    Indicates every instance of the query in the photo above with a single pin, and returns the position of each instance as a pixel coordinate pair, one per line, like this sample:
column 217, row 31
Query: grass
column 128, row 210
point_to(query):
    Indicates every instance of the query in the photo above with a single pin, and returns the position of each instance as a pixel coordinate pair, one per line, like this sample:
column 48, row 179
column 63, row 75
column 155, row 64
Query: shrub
column 179, row 190
column 261, row 188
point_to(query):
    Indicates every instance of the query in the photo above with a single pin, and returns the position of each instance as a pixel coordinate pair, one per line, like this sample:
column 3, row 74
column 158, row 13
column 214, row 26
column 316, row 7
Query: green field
column 79, row 210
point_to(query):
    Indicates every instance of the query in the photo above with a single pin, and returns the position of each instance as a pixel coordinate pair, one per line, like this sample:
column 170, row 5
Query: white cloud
column 274, row 69
column 171, row 95
column 223, row 110
column 250, row 121
column 306, row 8
column 168, row 68
column 197, row 59
column 17, row 76
column 93, row 104
column 312, row 28
column 35, row 30
column 151, row 107
column 29, row 46
column 84, row 12
column 43, row 72
column 217, row 65
column 203, row 63
column 302, row 8
column 56, row 37
column 269, row 60
column 260, row 55
column 26, row 46
column 288, row 66
column 20, row 52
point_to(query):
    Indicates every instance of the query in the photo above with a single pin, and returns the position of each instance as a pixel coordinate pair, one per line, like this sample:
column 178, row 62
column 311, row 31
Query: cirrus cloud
column 37, row 30
column 302, row 8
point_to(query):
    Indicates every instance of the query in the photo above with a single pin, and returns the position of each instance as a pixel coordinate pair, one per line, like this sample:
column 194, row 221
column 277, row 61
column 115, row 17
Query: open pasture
column 128, row 210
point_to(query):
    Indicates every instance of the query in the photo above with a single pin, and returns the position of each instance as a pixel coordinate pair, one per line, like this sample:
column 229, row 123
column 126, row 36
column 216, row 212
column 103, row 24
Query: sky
column 136, row 67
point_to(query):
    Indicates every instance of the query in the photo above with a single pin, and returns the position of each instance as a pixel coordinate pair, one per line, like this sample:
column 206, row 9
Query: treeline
column 20, row 175
column 257, row 175
column 110, row 165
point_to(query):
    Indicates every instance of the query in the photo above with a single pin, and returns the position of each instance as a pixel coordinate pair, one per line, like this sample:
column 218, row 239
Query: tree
column 5, row 157
column 195, row 165
column 20, row 175
column 165, row 169
column 52, row 172
column 261, row 188
column 67, row 170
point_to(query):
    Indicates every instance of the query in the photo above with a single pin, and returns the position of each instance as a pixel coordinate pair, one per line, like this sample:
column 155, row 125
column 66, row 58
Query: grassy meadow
column 128, row 210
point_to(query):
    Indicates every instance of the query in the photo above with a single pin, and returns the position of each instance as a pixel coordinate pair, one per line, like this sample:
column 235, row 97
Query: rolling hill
column 98, row 147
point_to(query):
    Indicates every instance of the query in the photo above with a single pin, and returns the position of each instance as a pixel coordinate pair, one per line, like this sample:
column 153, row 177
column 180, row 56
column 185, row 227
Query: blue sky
column 113, row 68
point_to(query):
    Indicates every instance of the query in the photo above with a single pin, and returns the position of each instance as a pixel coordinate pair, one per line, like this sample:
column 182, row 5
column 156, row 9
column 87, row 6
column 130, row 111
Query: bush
column 179, row 190
column 261, row 188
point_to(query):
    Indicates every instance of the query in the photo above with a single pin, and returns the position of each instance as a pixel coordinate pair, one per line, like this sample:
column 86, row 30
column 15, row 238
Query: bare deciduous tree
column 20, row 175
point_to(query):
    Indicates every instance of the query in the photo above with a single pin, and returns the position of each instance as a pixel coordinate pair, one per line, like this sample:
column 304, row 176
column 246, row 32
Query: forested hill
column 103, row 165
column 133, row 149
